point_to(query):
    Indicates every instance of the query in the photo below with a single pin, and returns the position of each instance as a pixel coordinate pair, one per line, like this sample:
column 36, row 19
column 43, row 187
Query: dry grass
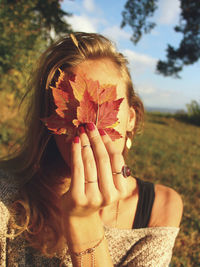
column 168, row 152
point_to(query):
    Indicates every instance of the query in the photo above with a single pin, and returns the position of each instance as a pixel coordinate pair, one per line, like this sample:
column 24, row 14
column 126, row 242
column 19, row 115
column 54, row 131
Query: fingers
column 94, row 157
column 108, row 160
column 90, row 169
column 102, row 160
column 77, row 186
column 116, row 161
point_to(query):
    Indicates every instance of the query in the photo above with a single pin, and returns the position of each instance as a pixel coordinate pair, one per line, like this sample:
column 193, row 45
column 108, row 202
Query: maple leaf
column 80, row 100
column 113, row 133
column 57, row 124
column 87, row 111
column 108, row 113
column 81, row 83
column 61, row 98
column 63, row 82
column 98, row 93
column 63, row 92
column 104, row 93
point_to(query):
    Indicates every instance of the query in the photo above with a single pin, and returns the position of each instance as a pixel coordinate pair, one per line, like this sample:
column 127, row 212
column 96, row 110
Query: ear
column 131, row 120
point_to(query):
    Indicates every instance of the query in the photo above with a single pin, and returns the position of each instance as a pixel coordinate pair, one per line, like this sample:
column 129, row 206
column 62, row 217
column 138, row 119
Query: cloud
column 139, row 63
column 139, row 57
column 168, row 11
column 147, row 89
column 153, row 90
column 82, row 23
column 89, row 5
column 153, row 95
column 115, row 33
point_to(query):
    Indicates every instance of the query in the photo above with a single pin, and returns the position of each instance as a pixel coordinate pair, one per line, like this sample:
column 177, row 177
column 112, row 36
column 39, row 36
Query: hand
column 94, row 162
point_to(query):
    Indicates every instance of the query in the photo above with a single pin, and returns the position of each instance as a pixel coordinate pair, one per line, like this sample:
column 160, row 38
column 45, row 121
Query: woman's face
column 106, row 73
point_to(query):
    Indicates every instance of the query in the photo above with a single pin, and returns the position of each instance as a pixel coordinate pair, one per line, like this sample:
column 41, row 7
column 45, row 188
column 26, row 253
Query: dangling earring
column 128, row 143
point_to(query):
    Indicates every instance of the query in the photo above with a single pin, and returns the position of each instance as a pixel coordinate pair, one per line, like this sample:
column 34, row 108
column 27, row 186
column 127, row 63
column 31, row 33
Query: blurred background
column 161, row 40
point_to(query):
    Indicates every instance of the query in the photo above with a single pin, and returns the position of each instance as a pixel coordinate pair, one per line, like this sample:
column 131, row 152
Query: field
column 167, row 152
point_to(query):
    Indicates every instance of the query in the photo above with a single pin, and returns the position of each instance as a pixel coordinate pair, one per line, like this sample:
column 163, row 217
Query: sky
column 156, row 91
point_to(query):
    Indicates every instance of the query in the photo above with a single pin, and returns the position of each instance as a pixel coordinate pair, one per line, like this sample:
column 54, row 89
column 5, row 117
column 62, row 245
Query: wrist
column 83, row 232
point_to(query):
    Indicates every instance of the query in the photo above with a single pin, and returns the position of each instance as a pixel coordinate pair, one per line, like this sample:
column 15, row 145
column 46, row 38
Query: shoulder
column 167, row 208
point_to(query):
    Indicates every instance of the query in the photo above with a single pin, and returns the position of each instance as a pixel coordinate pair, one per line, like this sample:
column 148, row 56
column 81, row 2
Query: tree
column 26, row 28
column 136, row 14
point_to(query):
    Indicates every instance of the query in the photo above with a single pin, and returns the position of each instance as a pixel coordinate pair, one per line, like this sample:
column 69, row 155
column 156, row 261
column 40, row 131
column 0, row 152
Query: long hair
column 37, row 165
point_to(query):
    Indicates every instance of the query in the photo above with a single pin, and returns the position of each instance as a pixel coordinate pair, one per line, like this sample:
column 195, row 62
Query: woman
column 67, row 196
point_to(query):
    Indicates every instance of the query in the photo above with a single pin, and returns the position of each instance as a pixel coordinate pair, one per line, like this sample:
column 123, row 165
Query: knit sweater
column 142, row 247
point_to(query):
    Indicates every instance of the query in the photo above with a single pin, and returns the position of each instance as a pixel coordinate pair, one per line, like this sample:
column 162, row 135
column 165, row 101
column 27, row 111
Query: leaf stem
column 97, row 107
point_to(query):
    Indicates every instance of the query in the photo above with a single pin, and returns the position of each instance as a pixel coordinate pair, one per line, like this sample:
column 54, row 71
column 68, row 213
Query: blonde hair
column 37, row 165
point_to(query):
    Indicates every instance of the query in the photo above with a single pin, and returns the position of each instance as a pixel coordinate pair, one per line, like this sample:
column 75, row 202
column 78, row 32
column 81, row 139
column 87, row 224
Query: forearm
column 83, row 233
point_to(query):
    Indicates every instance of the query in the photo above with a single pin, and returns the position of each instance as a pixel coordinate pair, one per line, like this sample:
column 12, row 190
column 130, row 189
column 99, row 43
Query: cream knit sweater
column 128, row 247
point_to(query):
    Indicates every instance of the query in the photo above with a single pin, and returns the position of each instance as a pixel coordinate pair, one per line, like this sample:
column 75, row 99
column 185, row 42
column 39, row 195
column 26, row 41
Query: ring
column 87, row 182
column 125, row 171
column 85, row 145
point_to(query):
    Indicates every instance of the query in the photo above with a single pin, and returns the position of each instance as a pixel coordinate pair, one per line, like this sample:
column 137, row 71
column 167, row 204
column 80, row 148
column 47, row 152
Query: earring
column 128, row 143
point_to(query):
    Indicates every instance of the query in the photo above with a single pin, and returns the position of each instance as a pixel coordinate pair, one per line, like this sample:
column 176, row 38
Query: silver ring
column 87, row 182
column 85, row 145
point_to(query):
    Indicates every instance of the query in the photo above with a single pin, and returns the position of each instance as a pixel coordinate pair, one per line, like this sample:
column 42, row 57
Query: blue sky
column 104, row 17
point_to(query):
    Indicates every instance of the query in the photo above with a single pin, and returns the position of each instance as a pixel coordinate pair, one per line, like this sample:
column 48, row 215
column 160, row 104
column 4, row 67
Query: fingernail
column 102, row 132
column 76, row 139
column 90, row 126
column 81, row 130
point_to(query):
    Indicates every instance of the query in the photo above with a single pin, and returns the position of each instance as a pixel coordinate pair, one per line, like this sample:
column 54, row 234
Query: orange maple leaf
column 80, row 100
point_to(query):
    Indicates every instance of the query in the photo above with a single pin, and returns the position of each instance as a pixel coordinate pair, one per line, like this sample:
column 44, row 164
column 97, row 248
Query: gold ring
column 117, row 173
column 85, row 145
column 94, row 181
column 126, row 172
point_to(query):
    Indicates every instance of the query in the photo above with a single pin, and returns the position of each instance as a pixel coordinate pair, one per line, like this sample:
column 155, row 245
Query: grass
column 168, row 152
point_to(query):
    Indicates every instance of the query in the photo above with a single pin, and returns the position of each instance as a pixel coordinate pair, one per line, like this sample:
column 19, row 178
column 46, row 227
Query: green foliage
column 168, row 153
column 4, row 135
column 11, row 122
column 26, row 29
column 193, row 109
column 136, row 13
column 192, row 115
column 52, row 16
column 188, row 51
column 193, row 112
